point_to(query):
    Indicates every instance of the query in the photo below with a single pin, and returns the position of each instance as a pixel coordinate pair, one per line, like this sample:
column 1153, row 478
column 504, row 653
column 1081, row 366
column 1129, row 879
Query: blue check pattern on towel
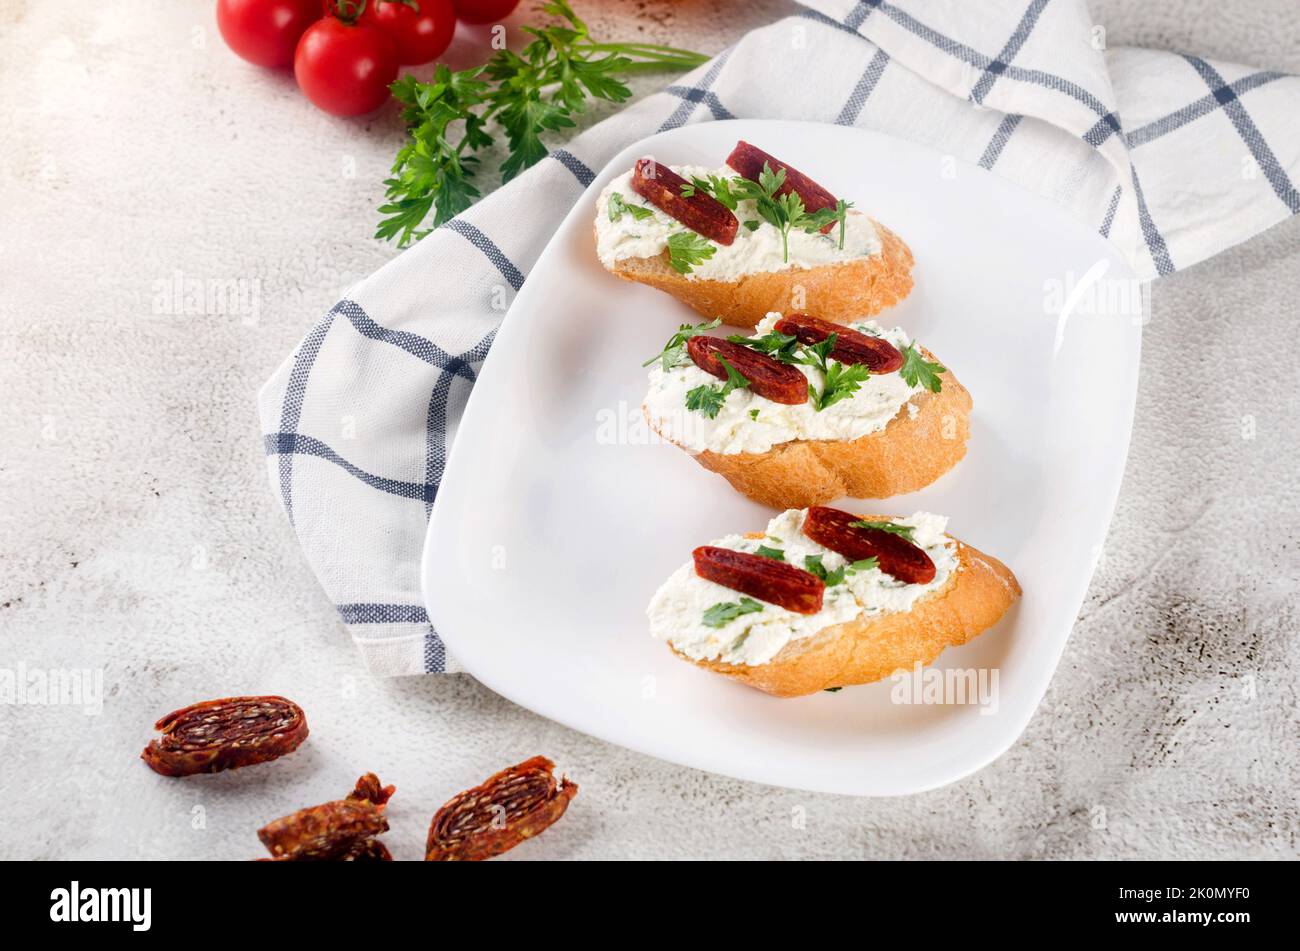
column 1172, row 158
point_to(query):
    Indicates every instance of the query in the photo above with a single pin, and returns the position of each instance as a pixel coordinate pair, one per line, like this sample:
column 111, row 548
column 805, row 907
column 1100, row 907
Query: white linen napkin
column 1172, row 158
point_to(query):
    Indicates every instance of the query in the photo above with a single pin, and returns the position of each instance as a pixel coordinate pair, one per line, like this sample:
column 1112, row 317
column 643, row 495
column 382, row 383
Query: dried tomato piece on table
column 342, row 830
column 369, row 789
column 225, row 734
column 515, row 804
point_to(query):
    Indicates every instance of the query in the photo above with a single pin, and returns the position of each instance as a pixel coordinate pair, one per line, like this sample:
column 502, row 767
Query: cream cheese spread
column 752, row 251
column 750, row 423
column 677, row 611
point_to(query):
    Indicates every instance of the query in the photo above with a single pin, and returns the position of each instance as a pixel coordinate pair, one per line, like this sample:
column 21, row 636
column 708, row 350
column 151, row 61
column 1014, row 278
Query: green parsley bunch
column 526, row 94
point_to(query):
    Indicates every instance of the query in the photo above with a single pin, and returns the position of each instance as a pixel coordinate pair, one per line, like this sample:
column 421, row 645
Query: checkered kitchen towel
column 1171, row 157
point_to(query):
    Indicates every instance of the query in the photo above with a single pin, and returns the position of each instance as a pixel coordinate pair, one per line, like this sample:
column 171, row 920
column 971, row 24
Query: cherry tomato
column 484, row 11
column 420, row 29
column 265, row 32
column 343, row 68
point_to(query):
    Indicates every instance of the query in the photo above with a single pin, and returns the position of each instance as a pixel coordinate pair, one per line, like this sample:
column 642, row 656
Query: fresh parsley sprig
column 526, row 94
column 842, row 213
column 674, row 351
column 687, row 249
column 778, row 346
column 842, row 379
column 718, row 186
column 903, row 531
column 720, row 614
column 708, row 398
column 618, row 206
column 785, row 212
column 776, row 554
column 813, row 564
column 918, row 371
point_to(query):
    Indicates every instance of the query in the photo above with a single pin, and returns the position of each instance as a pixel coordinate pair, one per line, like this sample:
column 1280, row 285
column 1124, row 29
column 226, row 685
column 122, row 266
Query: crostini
column 805, row 411
column 825, row 599
column 754, row 236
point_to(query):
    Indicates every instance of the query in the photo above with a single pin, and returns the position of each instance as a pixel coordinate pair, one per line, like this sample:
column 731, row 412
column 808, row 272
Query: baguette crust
column 908, row 454
column 837, row 292
column 865, row 650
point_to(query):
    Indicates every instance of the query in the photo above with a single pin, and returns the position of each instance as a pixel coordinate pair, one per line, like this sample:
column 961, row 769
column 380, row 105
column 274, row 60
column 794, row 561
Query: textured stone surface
column 139, row 535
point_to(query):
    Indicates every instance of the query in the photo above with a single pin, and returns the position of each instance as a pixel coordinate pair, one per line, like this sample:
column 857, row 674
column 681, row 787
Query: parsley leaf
column 813, row 564
column 708, row 398
column 865, row 564
column 842, row 380
column 528, row 94
column 816, row 354
column 776, row 345
column 674, row 351
column 903, row 531
column 775, row 554
column 717, row 186
column 726, row 611
column 751, row 224
column 617, row 206
column 824, row 216
column 687, row 249
column 753, row 414
column 764, row 195
column 786, row 212
column 918, row 371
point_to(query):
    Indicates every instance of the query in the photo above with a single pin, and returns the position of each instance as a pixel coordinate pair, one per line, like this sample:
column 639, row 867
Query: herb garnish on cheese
column 687, row 249
column 708, row 399
column 918, row 371
column 725, row 611
column 903, row 531
column 674, row 351
column 617, row 206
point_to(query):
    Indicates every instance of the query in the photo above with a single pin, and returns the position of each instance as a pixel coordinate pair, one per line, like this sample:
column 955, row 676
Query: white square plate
column 558, row 517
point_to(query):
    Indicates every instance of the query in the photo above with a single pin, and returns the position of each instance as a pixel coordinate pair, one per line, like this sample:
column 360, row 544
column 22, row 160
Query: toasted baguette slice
column 912, row 451
column 973, row 599
column 837, row 292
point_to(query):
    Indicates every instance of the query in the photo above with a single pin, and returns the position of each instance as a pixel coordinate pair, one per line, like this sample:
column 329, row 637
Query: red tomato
column 420, row 29
column 265, row 32
column 345, row 69
column 484, row 11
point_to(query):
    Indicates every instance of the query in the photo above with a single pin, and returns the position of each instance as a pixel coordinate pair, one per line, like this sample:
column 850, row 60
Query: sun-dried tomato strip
column 759, row 577
column 515, row 804
column 369, row 789
column 896, row 556
column 225, row 734
column 851, row 346
column 701, row 212
column 771, row 379
column 367, row 850
column 748, row 161
column 323, row 832
column 342, row 830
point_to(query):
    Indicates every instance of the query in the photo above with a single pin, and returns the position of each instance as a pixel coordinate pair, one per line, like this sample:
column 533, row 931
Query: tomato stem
column 347, row 11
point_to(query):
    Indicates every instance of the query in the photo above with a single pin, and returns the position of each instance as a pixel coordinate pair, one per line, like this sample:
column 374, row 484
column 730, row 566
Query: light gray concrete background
column 138, row 536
